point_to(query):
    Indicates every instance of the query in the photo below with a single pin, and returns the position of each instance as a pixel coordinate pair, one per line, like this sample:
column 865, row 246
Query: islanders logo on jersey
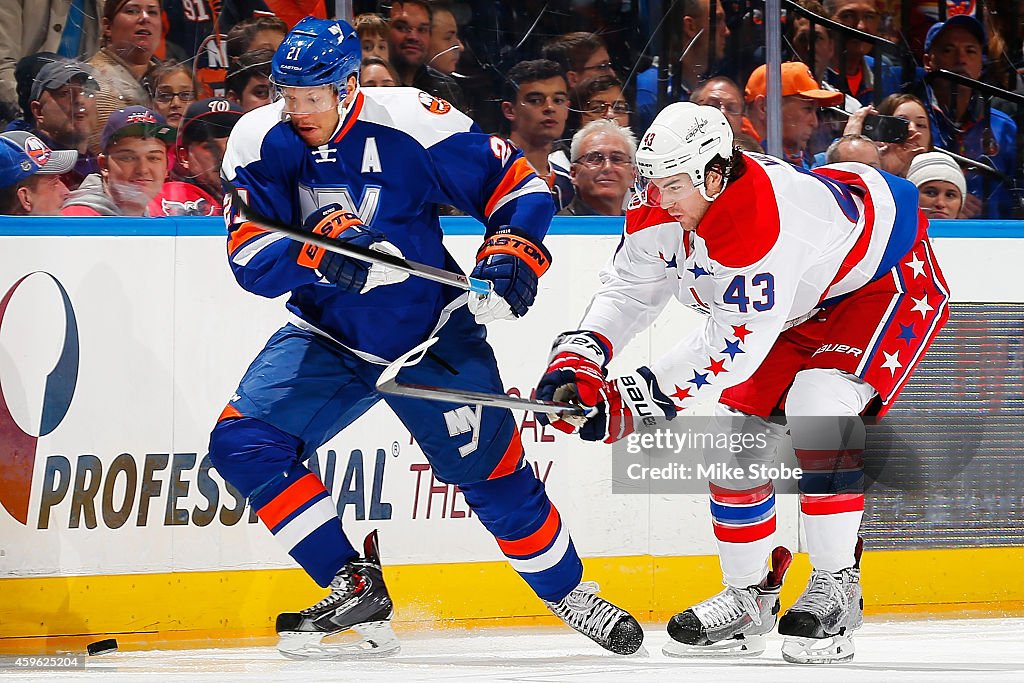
column 435, row 105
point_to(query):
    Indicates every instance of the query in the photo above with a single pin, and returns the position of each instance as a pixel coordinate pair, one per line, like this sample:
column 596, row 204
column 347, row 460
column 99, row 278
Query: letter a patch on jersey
column 371, row 158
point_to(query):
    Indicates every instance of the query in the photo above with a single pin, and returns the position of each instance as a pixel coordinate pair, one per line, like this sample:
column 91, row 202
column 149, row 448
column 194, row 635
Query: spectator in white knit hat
column 940, row 184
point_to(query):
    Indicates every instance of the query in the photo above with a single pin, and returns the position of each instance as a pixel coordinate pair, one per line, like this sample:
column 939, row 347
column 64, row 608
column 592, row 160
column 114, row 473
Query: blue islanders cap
column 23, row 154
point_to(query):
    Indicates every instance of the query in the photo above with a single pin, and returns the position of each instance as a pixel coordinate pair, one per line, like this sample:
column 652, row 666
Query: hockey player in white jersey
column 822, row 294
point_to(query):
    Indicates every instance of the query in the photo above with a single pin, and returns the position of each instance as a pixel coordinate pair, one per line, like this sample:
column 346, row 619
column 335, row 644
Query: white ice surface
column 947, row 650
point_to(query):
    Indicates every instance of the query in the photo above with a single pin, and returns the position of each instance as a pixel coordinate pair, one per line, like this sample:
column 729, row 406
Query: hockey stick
column 445, row 277
column 388, row 383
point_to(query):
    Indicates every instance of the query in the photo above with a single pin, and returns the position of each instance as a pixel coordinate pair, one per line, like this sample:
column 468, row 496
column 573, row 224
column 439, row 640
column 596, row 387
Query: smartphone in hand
column 886, row 128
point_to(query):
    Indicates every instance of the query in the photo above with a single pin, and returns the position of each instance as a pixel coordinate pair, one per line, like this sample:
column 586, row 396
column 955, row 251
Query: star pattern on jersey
column 698, row 271
column 915, row 265
column 892, row 362
column 906, row 333
column 700, row 379
column 717, row 366
column 732, row 348
column 921, row 305
column 741, row 332
column 681, row 394
column 669, row 263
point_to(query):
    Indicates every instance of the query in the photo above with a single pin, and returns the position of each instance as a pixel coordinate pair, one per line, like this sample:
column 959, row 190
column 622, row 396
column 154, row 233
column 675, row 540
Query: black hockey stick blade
column 388, row 383
column 445, row 277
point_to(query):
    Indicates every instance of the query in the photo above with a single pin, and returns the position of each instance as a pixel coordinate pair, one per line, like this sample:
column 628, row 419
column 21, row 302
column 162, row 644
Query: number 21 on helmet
column 313, row 63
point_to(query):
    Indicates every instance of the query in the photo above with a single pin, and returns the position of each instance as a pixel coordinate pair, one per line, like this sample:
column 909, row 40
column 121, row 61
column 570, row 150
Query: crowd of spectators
column 121, row 107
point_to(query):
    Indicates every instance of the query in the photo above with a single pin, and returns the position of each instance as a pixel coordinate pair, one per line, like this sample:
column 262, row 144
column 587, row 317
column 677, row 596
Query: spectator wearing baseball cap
column 62, row 111
column 802, row 96
column 961, row 120
column 133, row 166
column 31, row 172
column 940, row 184
column 195, row 187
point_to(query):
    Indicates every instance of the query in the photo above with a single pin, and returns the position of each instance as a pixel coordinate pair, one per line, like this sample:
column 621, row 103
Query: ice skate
column 612, row 628
column 734, row 622
column 819, row 625
column 354, row 619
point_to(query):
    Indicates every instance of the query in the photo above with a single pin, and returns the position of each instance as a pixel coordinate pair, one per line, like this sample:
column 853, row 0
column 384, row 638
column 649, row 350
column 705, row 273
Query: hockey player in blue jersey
column 369, row 167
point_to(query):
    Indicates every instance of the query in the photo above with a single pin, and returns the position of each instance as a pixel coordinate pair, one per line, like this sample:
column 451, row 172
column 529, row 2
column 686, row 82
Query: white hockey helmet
column 683, row 139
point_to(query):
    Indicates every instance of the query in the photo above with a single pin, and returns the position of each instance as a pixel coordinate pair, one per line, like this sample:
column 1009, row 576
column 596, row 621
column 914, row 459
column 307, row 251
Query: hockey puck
column 102, row 647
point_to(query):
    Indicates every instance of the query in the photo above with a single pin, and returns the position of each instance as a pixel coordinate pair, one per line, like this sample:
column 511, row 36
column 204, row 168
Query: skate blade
column 750, row 646
column 370, row 640
column 818, row 650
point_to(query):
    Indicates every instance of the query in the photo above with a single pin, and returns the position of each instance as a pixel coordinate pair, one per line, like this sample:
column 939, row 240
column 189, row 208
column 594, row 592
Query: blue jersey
column 397, row 154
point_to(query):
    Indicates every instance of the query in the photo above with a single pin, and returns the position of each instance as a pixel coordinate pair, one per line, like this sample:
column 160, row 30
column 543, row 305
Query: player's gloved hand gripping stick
column 471, row 284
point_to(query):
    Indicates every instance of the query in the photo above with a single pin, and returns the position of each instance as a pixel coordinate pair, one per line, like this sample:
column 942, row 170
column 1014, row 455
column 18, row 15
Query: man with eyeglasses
column 409, row 30
column 602, row 98
column 602, row 169
column 536, row 106
column 62, row 112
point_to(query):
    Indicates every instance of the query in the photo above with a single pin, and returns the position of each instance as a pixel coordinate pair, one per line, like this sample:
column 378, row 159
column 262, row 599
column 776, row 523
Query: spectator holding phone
column 897, row 140
column 896, row 157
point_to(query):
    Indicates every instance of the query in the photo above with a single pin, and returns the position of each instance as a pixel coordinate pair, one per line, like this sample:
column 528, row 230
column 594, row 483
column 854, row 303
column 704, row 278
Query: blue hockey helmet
column 317, row 52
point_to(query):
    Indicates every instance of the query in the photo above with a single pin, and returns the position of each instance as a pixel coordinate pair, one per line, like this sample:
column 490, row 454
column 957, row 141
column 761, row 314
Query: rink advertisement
column 120, row 351
column 120, row 346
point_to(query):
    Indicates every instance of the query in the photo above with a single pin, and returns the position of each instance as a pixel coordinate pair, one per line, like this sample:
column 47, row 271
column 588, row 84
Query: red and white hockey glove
column 625, row 404
column 576, row 372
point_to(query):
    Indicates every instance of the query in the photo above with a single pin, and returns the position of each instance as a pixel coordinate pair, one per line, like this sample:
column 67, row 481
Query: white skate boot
column 819, row 625
column 612, row 628
column 734, row 622
column 358, row 607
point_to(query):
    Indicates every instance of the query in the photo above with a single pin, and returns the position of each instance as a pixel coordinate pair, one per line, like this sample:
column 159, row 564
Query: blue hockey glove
column 348, row 273
column 511, row 260
column 625, row 404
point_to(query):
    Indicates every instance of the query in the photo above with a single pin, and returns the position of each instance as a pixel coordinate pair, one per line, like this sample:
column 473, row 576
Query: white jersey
column 780, row 244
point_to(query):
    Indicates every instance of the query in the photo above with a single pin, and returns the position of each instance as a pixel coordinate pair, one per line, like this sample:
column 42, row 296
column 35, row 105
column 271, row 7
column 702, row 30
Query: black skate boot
column 612, row 628
column 819, row 625
column 734, row 622
column 358, row 601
